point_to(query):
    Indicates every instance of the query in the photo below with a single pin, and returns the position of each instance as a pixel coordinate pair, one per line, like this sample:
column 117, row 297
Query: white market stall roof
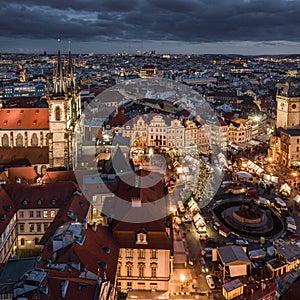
column 244, row 175
column 268, row 177
column 297, row 198
column 285, row 187
column 255, row 168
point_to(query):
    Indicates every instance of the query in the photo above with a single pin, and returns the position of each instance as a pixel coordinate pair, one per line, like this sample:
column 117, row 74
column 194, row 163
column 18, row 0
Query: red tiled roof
column 59, row 176
column 119, row 120
column 79, row 205
column 35, row 155
column 24, row 118
column 23, row 102
column 62, row 192
column 88, row 255
column 125, row 232
column 33, row 196
column 155, row 240
column 26, row 174
column 152, row 182
column 91, row 252
column 75, row 290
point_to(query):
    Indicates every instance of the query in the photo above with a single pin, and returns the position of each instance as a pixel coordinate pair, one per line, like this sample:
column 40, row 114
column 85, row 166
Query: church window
column 19, row 140
column 34, row 140
column 5, row 140
column 57, row 113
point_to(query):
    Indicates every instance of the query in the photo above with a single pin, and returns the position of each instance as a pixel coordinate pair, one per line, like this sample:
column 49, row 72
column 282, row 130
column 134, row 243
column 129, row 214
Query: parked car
column 210, row 282
column 210, row 241
column 241, row 242
column 294, row 237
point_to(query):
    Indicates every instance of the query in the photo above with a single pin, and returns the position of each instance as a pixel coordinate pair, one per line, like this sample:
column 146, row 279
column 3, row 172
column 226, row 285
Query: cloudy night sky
column 167, row 26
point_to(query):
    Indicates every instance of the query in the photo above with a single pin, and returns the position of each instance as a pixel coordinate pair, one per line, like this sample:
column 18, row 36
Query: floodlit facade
column 46, row 136
column 156, row 131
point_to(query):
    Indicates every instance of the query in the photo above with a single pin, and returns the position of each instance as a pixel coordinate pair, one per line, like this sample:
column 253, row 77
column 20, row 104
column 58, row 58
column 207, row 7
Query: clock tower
column 288, row 105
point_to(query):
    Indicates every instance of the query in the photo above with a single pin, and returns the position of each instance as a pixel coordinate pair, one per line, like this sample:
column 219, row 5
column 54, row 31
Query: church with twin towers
column 45, row 136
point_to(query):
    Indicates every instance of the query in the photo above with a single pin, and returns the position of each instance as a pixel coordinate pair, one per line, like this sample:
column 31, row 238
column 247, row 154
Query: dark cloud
column 173, row 20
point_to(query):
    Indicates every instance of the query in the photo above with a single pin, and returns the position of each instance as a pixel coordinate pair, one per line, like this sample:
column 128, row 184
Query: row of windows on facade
column 33, row 227
column 38, row 214
column 235, row 133
column 141, row 271
column 153, row 285
column 141, row 253
column 22, row 241
column 19, row 141
column 8, row 244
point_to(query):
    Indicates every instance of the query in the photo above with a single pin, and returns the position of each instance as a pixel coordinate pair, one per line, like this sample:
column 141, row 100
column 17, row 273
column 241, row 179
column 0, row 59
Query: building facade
column 285, row 144
column 51, row 130
column 239, row 131
column 157, row 131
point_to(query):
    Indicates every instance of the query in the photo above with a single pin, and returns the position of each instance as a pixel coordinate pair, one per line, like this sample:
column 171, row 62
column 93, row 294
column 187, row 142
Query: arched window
column 5, row 140
column 22, row 242
column 47, row 139
column 19, row 140
column 57, row 113
column 34, row 140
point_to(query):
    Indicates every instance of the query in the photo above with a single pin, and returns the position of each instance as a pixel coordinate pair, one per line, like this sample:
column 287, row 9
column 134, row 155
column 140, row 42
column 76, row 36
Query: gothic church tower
column 64, row 110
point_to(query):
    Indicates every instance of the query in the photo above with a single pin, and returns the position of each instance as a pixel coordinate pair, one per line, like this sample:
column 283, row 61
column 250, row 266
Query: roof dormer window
column 142, row 237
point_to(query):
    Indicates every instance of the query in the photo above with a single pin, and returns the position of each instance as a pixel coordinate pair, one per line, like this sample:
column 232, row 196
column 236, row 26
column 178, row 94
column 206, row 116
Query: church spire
column 70, row 64
column 58, row 80
column 70, row 73
column 59, row 65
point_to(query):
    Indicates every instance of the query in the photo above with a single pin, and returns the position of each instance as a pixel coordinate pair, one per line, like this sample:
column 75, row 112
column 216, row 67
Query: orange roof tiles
column 88, row 255
column 26, row 174
column 59, row 176
column 24, row 118
column 34, row 155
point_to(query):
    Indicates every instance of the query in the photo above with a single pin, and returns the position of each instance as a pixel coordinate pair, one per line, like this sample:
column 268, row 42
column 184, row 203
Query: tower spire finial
column 58, row 43
column 69, row 46
column 59, row 80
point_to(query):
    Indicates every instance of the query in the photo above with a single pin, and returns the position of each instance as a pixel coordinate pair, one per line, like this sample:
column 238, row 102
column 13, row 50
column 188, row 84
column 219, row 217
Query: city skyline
column 187, row 27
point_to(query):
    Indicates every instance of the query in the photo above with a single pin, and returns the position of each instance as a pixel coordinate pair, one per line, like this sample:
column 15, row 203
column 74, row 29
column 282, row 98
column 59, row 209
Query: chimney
column 75, row 217
column 136, row 202
column 94, row 227
column 85, row 223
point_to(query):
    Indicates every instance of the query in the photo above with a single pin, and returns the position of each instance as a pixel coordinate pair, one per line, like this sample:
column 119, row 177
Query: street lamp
column 295, row 181
column 182, row 279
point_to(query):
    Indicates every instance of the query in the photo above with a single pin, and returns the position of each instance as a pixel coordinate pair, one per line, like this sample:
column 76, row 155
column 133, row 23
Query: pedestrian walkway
column 181, row 281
